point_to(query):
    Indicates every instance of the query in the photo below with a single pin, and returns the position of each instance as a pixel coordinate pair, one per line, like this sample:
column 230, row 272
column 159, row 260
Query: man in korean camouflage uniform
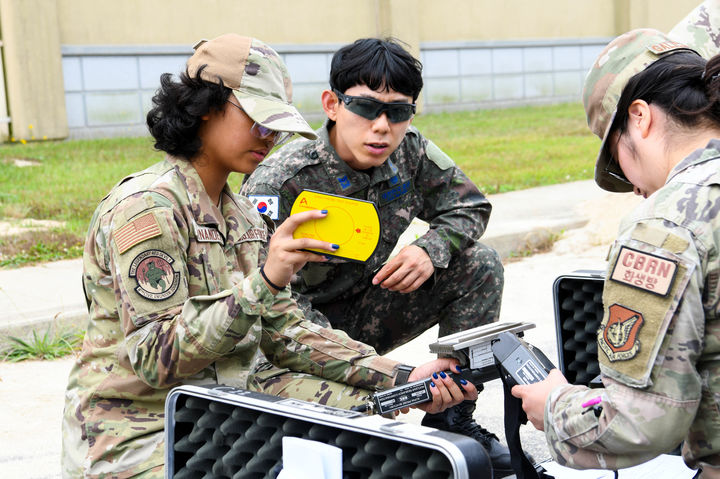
column 368, row 150
column 172, row 279
column 659, row 340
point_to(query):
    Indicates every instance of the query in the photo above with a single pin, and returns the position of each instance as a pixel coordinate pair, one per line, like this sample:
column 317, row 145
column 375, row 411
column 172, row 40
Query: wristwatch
column 403, row 373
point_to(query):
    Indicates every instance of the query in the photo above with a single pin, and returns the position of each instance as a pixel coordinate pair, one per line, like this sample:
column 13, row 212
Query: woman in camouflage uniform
column 656, row 105
column 172, row 279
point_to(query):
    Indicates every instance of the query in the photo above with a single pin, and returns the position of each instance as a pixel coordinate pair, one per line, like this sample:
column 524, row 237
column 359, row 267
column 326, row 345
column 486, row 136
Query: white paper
column 562, row 472
column 664, row 466
column 306, row 459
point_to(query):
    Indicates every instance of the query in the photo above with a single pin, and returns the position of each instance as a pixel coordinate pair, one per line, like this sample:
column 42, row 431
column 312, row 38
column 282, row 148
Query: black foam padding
column 578, row 314
column 218, row 440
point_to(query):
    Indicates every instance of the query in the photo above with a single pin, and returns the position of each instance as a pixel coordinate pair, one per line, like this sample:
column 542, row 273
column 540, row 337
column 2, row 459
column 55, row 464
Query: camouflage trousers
column 282, row 382
column 465, row 295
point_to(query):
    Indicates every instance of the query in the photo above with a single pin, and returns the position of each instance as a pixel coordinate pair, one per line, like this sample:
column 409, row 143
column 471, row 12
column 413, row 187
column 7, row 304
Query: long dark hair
column 684, row 85
column 178, row 107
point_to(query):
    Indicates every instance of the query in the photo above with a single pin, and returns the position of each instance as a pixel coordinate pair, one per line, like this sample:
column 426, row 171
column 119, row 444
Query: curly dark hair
column 178, row 107
column 377, row 64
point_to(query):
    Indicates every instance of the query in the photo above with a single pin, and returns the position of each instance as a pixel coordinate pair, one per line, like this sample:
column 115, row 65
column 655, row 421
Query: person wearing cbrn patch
column 655, row 103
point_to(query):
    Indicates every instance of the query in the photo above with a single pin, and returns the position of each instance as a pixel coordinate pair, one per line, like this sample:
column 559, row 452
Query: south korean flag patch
column 267, row 205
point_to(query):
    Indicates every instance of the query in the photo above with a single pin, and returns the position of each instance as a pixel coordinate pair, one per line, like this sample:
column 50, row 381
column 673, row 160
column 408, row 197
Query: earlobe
column 330, row 104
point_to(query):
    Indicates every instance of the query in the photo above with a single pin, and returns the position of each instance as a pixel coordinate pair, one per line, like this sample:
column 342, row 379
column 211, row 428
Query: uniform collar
column 204, row 211
column 344, row 175
column 710, row 152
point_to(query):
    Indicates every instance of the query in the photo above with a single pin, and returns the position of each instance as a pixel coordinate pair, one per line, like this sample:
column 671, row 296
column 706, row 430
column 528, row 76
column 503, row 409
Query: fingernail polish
column 443, row 375
column 458, row 369
column 323, row 212
column 463, row 382
column 335, row 246
column 435, row 375
column 432, row 384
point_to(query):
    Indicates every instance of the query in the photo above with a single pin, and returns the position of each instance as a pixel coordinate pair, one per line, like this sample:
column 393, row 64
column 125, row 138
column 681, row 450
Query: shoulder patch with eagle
column 620, row 334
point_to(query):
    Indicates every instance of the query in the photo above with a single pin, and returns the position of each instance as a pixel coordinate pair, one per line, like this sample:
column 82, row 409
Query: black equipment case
column 224, row 432
column 578, row 314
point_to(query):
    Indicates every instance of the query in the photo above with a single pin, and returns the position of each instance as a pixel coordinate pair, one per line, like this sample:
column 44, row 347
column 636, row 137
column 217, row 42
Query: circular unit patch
column 156, row 279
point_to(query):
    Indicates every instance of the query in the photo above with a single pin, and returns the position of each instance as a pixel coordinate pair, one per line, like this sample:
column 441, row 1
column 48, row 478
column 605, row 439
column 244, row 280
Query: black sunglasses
column 397, row 111
column 616, row 172
column 613, row 166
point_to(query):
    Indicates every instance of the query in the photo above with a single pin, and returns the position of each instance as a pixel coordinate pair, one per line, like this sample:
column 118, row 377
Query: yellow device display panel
column 350, row 223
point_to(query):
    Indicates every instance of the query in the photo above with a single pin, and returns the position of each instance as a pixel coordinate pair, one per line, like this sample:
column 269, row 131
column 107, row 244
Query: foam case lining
column 578, row 314
column 223, row 432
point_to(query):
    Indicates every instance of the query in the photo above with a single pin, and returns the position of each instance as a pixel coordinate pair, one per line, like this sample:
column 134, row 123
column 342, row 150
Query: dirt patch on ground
column 13, row 228
column 604, row 216
column 38, row 244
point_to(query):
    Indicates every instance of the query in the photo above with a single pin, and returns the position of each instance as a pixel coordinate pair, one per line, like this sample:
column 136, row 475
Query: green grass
column 51, row 345
column 71, row 178
column 500, row 150
column 516, row 148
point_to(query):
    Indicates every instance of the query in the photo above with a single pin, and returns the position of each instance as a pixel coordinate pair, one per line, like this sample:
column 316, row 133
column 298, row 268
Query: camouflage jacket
column 177, row 298
column 659, row 341
column 417, row 180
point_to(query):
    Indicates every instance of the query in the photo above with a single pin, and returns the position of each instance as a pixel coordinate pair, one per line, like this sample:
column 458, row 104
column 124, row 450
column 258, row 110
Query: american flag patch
column 136, row 231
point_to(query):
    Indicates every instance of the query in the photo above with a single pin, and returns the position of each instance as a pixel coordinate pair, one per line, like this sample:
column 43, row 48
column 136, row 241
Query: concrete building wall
column 139, row 22
column 32, row 71
column 180, row 22
column 95, row 64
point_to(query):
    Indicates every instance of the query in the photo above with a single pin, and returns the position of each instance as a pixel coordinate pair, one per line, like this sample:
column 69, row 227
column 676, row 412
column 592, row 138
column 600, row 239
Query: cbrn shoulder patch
column 638, row 309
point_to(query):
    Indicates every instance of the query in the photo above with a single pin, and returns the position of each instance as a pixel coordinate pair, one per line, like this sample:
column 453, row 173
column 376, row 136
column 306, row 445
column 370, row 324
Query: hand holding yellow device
column 351, row 223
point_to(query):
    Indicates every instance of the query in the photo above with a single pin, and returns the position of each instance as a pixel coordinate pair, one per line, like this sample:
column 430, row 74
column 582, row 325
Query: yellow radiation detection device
column 352, row 224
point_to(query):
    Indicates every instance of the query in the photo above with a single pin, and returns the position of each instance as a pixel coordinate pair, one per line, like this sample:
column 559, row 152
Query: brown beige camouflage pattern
column 621, row 59
column 196, row 315
column 256, row 74
column 669, row 391
column 417, row 180
column 285, row 383
column 700, row 29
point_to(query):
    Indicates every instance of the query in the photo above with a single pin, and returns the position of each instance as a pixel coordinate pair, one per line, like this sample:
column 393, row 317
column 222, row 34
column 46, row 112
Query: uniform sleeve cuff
column 435, row 248
column 564, row 414
column 258, row 296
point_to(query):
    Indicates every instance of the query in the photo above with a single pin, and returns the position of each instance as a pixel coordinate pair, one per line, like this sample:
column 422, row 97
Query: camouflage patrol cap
column 622, row 58
column 700, row 29
column 257, row 76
